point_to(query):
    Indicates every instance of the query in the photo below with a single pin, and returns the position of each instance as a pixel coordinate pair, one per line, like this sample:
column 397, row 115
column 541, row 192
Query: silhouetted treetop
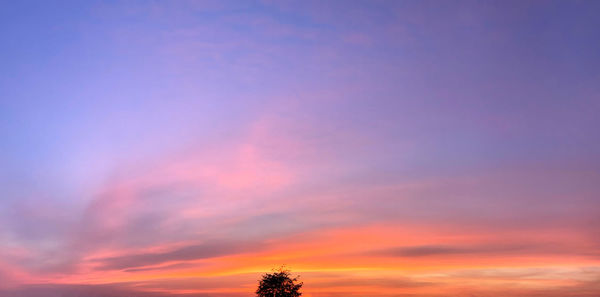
column 279, row 284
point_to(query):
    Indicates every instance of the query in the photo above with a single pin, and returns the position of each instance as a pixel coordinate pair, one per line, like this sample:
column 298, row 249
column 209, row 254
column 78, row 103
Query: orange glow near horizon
column 342, row 260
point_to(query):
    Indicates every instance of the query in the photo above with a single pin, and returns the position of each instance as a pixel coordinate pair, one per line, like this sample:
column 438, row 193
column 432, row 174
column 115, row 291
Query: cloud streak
column 187, row 253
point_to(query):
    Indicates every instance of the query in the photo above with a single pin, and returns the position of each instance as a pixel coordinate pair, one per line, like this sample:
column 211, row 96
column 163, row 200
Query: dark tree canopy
column 279, row 284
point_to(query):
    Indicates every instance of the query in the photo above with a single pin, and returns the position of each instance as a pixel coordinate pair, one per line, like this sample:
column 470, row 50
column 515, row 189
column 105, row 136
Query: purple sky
column 185, row 147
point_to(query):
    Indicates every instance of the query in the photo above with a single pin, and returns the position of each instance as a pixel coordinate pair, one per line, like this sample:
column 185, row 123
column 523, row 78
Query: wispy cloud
column 187, row 253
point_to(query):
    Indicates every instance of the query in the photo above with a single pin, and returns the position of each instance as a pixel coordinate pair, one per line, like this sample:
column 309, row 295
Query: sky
column 375, row 148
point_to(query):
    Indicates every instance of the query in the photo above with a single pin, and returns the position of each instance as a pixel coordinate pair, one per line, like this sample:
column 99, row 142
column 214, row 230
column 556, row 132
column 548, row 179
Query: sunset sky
column 376, row 148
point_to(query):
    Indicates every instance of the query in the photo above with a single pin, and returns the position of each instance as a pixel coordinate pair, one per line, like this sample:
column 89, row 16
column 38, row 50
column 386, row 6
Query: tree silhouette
column 279, row 284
